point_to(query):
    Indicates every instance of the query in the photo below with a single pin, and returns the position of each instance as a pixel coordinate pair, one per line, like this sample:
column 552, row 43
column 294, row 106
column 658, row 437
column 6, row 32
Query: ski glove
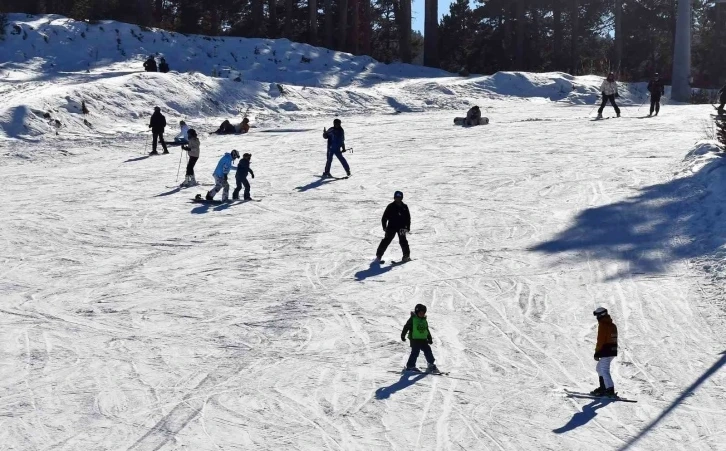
column 597, row 357
column 403, row 338
column 430, row 340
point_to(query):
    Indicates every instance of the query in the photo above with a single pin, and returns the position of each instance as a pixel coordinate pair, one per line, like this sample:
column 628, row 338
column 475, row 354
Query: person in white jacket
column 609, row 91
column 183, row 137
column 193, row 149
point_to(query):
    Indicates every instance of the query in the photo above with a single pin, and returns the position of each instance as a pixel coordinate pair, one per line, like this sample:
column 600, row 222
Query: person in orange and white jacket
column 609, row 90
column 606, row 350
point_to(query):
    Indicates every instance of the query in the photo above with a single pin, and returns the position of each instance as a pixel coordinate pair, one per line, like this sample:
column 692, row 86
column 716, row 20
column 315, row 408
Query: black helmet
column 192, row 133
column 336, row 121
column 419, row 308
column 247, row 155
column 600, row 312
column 235, row 154
column 156, row 108
column 398, row 195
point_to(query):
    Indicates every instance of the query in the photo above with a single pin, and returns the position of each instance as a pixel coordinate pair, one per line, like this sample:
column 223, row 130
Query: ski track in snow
column 135, row 319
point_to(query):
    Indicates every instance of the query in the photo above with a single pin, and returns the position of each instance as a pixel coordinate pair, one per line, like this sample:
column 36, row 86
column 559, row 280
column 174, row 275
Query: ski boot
column 431, row 368
column 348, row 172
column 411, row 369
column 599, row 116
column 610, row 393
column 326, row 175
column 166, row 152
column 192, row 181
column 248, row 198
column 618, row 114
column 406, row 258
column 209, row 197
column 153, row 152
column 600, row 390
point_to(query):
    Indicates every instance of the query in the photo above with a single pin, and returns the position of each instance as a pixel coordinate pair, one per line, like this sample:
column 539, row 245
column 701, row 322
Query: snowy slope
column 134, row 319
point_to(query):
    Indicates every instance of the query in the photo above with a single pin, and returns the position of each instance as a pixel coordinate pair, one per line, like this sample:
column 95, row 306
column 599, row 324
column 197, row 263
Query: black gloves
column 597, row 357
column 430, row 340
column 403, row 338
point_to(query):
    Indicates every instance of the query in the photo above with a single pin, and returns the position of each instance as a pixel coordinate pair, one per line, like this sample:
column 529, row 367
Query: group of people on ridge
column 150, row 65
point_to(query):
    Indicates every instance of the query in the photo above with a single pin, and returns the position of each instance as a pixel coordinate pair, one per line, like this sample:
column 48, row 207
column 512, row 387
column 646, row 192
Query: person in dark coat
column 163, row 66
column 722, row 99
column 150, row 65
column 396, row 221
column 473, row 116
column 243, row 167
column 336, row 141
column 157, row 125
column 656, row 89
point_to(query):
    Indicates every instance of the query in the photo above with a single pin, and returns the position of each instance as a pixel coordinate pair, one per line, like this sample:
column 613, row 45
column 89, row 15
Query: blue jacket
column 335, row 137
column 243, row 167
column 224, row 165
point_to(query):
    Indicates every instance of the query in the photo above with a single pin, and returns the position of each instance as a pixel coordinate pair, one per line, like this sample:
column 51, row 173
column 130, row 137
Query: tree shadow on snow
column 375, row 269
column 583, row 417
column 406, row 380
column 688, row 392
column 663, row 223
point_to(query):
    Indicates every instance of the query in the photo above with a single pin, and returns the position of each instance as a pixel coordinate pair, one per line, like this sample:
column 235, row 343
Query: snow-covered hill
column 134, row 319
column 49, row 64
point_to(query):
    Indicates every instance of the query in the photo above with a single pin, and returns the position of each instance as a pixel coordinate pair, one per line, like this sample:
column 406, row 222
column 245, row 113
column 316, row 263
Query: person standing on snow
column 150, row 64
column 418, row 333
column 722, row 99
column 220, row 176
column 243, row 167
column 606, row 350
column 163, row 66
column 336, row 141
column 157, row 125
column 609, row 91
column 193, row 152
column 656, row 89
column 396, row 220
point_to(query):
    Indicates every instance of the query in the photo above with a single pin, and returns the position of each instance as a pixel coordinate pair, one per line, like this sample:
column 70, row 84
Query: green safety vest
column 419, row 328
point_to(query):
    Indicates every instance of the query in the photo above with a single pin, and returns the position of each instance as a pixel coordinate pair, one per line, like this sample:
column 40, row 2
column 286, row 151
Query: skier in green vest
column 417, row 330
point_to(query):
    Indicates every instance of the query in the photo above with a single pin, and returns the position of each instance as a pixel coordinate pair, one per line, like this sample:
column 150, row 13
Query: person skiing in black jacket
column 157, row 125
column 150, row 64
column 722, row 99
column 163, row 66
column 396, row 220
column 418, row 333
column 656, row 89
column 243, row 167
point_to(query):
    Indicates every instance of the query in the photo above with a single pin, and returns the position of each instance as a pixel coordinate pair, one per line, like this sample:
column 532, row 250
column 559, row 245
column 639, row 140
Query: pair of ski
column 200, row 200
column 577, row 394
column 418, row 371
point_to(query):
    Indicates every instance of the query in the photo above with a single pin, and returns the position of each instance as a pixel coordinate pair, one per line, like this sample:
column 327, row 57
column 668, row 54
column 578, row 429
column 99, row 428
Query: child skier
column 220, row 176
column 396, row 220
column 417, row 331
column 336, row 140
column 609, row 91
column 193, row 152
column 242, row 169
column 606, row 350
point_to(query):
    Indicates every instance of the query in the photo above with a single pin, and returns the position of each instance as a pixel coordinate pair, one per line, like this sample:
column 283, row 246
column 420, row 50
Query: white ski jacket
column 609, row 88
column 183, row 133
column 194, row 147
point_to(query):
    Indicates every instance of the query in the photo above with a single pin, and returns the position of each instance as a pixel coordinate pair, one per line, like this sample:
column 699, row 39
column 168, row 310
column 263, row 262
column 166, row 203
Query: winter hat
column 600, row 312
column 156, row 108
column 192, row 133
column 419, row 308
column 235, row 154
column 336, row 121
column 398, row 195
column 247, row 155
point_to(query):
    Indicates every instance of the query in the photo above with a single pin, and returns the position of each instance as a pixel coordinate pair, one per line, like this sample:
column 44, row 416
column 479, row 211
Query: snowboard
column 576, row 394
column 462, row 121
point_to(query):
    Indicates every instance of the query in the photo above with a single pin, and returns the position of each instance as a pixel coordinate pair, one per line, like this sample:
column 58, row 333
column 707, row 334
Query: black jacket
column 243, row 167
column 157, row 122
column 408, row 326
column 396, row 217
column 656, row 87
column 150, row 65
column 163, row 67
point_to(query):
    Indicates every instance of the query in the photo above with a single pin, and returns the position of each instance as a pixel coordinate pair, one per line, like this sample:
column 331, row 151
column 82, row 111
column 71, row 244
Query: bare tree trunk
column 618, row 35
column 367, row 32
column 404, row 24
column 431, row 34
column 355, row 27
column 343, row 26
column 158, row 12
column 329, row 24
column 313, row 18
column 575, row 19
column 287, row 32
column 257, row 17
column 272, row 29
column 557, row 38
column 519, row 50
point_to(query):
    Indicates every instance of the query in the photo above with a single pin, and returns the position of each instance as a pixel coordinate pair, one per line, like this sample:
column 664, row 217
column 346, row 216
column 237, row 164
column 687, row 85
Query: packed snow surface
column 134, row 319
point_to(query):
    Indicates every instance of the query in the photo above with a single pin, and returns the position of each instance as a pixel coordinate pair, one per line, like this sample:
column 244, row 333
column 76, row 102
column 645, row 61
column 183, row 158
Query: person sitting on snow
column 473, row 116
column 163, row 66
column 244, row 126
column 150, row 64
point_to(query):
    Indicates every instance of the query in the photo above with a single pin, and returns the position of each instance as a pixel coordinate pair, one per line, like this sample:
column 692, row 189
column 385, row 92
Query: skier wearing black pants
column 157, row 125
column 396, row 221
column 243, row 167
column 192, row 148
column 656, row 89
column 418, row 333
column 609, row 91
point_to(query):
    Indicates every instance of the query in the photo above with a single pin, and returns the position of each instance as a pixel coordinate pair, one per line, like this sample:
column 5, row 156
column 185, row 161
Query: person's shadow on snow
column 375, row 269
column 588, row 412
column 316, row 184
column 131, row 160
column 406, row 380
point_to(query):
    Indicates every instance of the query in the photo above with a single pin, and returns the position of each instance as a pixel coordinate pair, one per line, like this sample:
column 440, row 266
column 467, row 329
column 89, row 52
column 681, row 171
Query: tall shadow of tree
column 664, row 223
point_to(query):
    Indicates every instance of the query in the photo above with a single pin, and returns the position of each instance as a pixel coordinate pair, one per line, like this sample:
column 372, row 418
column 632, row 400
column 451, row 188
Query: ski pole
column 179, row 168
column 641, row 105
column 146, row 148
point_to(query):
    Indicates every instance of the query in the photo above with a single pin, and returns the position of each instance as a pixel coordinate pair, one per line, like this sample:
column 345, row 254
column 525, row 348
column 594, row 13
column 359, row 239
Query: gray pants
column 220, row 183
